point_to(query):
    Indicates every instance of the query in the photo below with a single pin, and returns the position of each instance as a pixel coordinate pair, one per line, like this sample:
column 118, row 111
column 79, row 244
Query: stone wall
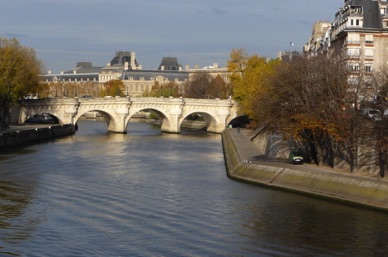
column 13, row 137
column 372, row 192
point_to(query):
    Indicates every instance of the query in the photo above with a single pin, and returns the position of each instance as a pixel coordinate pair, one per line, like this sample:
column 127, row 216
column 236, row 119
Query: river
column 147, row 193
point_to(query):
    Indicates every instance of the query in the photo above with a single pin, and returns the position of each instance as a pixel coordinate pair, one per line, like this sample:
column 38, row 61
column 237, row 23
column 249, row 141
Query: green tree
column 19, row 74
column 113, row 88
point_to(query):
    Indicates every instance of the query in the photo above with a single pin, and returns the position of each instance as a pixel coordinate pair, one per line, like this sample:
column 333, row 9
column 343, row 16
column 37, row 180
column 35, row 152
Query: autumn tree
column 113, row 88
column 198, row 86
column 19, row 74
column 165, row 90
column 249, row 76
column 380, row 128
column 218, row 88
column 312, row 100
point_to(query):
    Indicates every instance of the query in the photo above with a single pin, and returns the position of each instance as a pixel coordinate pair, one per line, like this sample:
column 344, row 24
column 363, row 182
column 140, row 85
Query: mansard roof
column 84, row 67
column 152, row 74
column 169, row 63
column 123, row 57
column 371, row 13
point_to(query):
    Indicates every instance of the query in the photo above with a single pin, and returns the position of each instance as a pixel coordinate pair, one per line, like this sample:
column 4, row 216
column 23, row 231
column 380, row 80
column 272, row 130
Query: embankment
column 371, row 192
column 27, row 134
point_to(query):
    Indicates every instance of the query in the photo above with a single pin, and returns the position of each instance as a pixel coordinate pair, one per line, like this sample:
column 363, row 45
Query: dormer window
column 355, row 22
column 356, row 9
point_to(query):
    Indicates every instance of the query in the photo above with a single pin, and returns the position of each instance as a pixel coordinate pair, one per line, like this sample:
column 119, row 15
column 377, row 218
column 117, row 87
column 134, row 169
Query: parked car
column 296, row 156
column 372, row 114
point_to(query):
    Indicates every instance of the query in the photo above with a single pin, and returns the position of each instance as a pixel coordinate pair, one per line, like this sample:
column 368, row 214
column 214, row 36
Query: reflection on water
column 153, row 194
column 16, row 196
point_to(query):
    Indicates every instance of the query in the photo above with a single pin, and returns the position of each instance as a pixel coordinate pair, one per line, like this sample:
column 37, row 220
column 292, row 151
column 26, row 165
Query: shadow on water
column 15, row 197
column 9, row 152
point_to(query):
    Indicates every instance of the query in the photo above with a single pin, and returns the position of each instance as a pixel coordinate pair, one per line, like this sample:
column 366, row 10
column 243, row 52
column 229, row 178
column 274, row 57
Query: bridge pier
column 170, row 126
column 117, row 123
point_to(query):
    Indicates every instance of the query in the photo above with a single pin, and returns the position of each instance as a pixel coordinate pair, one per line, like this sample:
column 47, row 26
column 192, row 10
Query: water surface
column 147, row 193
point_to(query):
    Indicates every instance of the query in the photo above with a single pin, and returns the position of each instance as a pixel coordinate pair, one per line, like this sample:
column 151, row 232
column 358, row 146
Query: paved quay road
column 251, row 153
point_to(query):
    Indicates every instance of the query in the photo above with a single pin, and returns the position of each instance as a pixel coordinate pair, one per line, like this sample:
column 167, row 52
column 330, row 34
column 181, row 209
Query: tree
column 249, row 76
column 306, row 100
column 165, row 90
column 380, row 129
column 19, row 74
column 199, row 86
column 218, row 88
column 113, row 88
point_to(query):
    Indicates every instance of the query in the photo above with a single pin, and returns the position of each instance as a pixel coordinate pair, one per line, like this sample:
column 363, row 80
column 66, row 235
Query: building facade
column 360, row 30
column 125, row 67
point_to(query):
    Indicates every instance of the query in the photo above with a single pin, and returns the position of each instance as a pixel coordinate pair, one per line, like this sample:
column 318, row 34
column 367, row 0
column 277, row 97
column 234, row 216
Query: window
column 357, row 9
column 355, row 22
column 353, row 52
column 368, row 67
column 354, row 67
column 368, row 39
column 369, row 52
column 353, row 38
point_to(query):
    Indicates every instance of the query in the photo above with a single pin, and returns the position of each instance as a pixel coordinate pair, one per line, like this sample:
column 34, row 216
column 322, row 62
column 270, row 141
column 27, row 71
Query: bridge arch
column 109, row 119
column 207, row 118
column 113, row 110
column 166, row 123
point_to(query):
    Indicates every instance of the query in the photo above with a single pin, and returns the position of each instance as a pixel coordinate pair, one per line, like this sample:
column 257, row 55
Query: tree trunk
column 383, row 156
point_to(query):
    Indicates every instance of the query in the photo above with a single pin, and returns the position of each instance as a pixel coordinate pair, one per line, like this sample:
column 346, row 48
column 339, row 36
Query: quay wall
column 353, row 189
column 28, row 135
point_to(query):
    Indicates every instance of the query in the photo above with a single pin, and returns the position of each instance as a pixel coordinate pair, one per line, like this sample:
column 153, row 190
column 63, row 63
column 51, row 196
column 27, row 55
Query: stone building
column 82, row 80
column 359, row 29
column 125, row 67
column 138, row 81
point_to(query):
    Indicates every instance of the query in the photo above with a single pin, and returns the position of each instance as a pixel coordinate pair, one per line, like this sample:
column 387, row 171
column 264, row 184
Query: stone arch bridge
column 117, row 111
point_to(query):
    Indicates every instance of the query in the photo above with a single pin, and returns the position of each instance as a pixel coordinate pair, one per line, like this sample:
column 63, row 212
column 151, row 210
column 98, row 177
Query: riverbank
column 243, row 162
column 21, row 134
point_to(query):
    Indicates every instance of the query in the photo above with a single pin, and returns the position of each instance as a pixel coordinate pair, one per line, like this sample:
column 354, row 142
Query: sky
column 197, row 32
